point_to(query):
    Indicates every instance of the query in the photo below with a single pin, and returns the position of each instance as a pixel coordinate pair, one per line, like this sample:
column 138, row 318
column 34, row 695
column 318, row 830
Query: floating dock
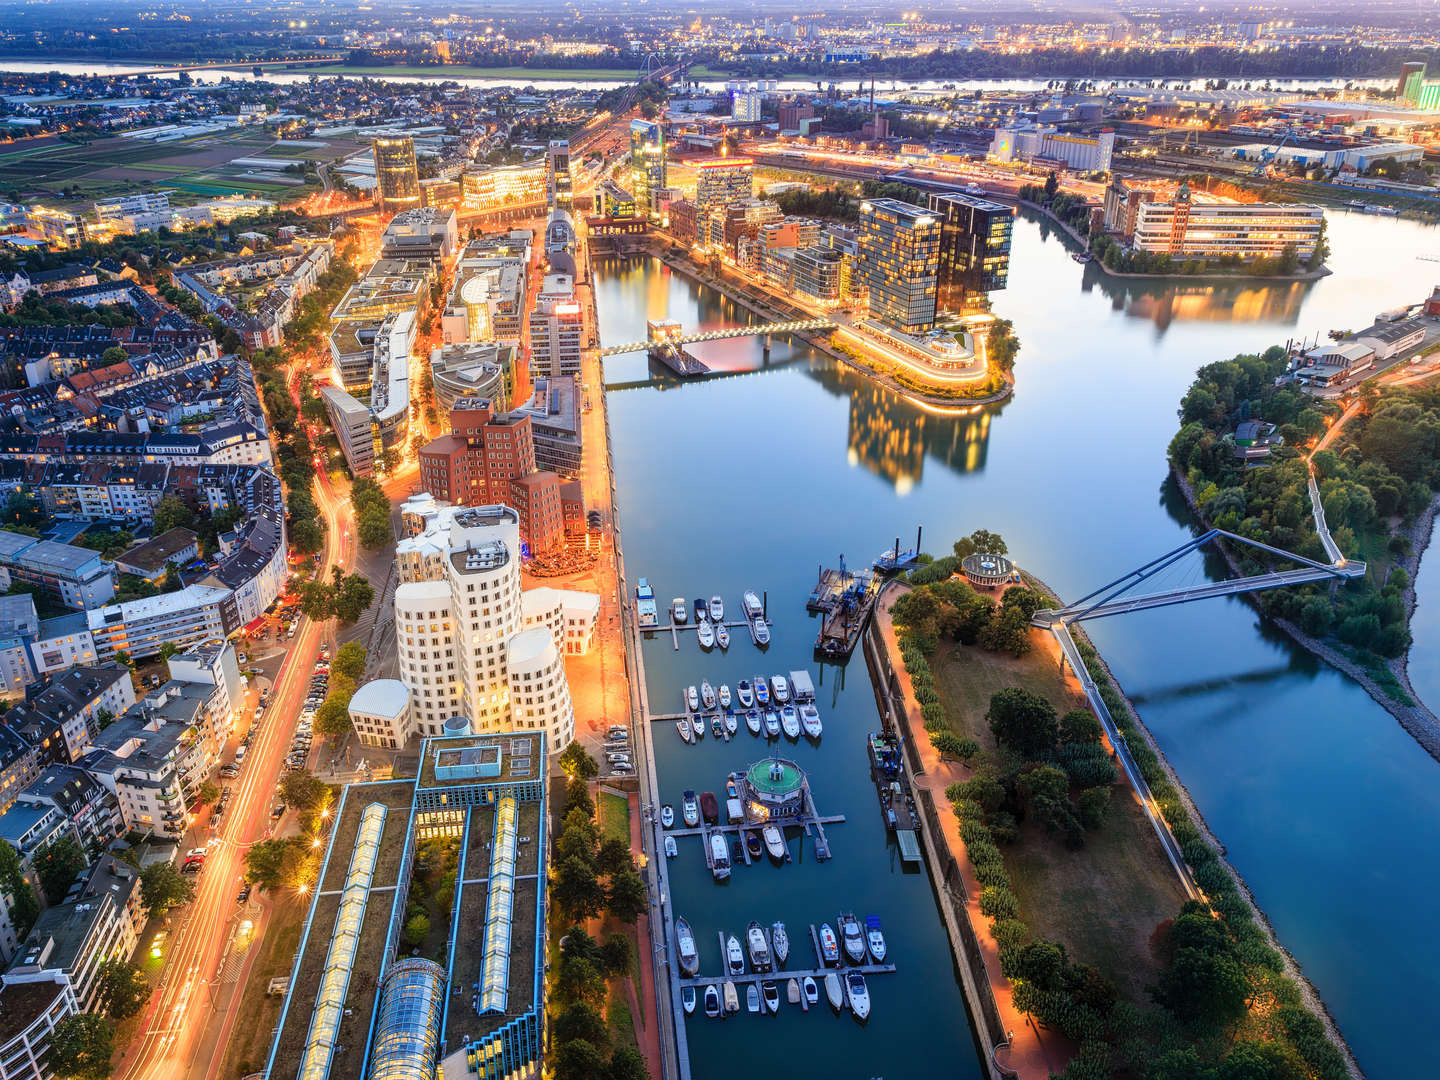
column 845, row 599
column 892, row 788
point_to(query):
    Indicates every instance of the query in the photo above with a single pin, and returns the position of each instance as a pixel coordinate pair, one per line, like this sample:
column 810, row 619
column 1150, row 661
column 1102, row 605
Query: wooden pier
column 741, row 829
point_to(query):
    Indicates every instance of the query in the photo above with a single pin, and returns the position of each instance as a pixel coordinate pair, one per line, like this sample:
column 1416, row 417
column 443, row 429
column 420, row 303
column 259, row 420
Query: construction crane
column 1268, row 154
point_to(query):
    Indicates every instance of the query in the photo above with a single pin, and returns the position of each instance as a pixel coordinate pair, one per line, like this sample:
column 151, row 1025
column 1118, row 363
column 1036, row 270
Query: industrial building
column 1040, row 144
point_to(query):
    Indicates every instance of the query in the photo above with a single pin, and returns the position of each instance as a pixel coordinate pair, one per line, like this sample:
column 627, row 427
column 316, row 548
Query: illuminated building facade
column 721, row 182
column 974, row 247
column 397, row 182
column 899, row 249
column 1186, row 229
column 648, row 173
column 555, row 328
column 559, row 187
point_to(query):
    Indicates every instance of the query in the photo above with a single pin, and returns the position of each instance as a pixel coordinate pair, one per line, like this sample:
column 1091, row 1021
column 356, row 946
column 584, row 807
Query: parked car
column 244, row 893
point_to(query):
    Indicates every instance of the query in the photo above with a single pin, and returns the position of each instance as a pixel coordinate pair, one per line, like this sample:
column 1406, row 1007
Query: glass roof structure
column 495, row 980
column 407, row 1031
column 335, row 979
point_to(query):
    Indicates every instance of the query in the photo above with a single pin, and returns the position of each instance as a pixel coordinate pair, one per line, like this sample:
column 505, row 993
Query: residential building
column 899, row 247
column 61, row 714
column 81, row 800
column 380, row 711
column 974, row 248
column 30, row 829
column 554, row 411
column 722, row 182
column 60, row 643
column 151, row 559
column 648, row 172
column 351, row 423
column 817, row 273
column 397, row 181
column 19, row 765
column 32, row 1003
column 19, row 628
column 78, row 576
column 555, row 329
column 558, row 181
column 131, row 214
column 1045, row 145
column 367, row 431
column 1187, row 228
column 194, row 615
column 745, row 107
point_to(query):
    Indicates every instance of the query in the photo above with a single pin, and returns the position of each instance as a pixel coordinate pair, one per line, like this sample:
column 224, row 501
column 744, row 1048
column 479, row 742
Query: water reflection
column 1163, row 301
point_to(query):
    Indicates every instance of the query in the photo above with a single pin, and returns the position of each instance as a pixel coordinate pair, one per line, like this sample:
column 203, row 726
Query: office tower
column 648, row 174
column 397, row 183
column 555, row 328
column 974, row 247
column 900, row 252
column 559, row 187
column 722, row 182
column 745, row 107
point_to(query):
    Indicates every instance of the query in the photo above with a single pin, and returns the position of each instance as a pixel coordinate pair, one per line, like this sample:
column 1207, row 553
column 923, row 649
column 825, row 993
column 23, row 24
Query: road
column 189, row 1018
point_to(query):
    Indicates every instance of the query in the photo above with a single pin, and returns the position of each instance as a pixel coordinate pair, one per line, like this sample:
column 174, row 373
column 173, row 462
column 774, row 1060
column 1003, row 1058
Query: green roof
column 789, row 777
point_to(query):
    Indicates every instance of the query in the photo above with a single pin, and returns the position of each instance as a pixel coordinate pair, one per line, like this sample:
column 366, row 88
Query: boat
column 717, row 609
column 667, row 815
column 753, row 845
column 1081, row 257
column 779, row 942
column 645, row 604
column 752, row 999
column 1387, row 211
column 792, row 991
column 810, row 990
column 724, row 695
column 751, row 603
column 707, row 695
column 687, row 999
column 829, row 945
column 697, row 724
column 737, row 850
column 734, row 956
column 762, row 691
column 731, row 790
column 701, row 611
column 772, row 724
column 690, row 809
column 678, row 611
column 772, row 995
column 709, row 807
column 683, row 727
column 875, row 938
column 712, row 1001
column 774, row 842
column 760, row 630
column 853, row 939
column 810, row 720
column 1355, row 204
column 858, row 994
column 732, row 999
column 716, row 727
column 758, row 946
column 779, row 689
column 685, row 948
column 671, row 850
column 732, row 725
column 744, row 694
column 790, row 721
column 752, row 721
column 707, row 633
column 719, row 857
column 834, row 991
column 722, row 635
column 692, row 699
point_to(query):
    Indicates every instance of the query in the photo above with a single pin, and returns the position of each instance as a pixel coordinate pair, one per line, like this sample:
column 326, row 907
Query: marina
column 710, row 625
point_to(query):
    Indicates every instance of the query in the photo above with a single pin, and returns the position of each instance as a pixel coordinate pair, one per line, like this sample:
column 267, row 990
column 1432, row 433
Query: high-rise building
column 648, row 173
column 974, row 247
column 559, row 188
column 899, row 247
column 397, row 182
column 1414, row 69
column 722, row 182
column 745, row 107
column 555, row 327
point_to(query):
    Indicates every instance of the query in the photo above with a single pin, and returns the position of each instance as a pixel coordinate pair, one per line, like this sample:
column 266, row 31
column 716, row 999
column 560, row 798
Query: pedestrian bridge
column 753, row 330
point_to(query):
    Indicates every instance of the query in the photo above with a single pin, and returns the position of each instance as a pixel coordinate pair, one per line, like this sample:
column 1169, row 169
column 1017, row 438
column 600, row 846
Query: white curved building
column 380, row 711
column 425, row 645
column 539, row 691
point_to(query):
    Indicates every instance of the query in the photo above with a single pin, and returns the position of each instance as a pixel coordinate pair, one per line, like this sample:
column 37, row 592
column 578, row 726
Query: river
column 1326, row 806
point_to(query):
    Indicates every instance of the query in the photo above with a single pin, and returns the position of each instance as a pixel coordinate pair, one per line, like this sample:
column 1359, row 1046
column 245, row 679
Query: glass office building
column 974, row 247
column 407, row 1023
column 397, row 181
column 648, row 174
column 899, row 249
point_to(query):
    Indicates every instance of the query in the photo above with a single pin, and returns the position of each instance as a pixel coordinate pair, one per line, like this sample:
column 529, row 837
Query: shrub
column 998, row 902
column 1094, row 804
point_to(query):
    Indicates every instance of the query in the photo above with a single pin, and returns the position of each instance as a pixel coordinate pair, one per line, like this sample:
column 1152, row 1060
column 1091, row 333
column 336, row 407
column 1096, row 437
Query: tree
column 626, row 896
column 24, row 904
column 615, row 955
column 374, row 530
column 168, row 649
column 614, row 856
column 170, row 513
column 1052, row 185
column 579, row 1060
column 577, row 796
column 352, row 597
column 303, row 791
column 577, row 890
column 349, row 661
column 122, row 987
column 123, row 658
column 627, row 1063
column 208, row 793
column 162, row 887
column 948, row 744
column 1023, row 721
column 115, row 354
column 579, row 1021
column 1094, row 804
column 317, row 600
column 332, row 717
column 1254, row 1060
column 576, row 762
column 81, row 1046
column 1204, row 983
column 280, row 863
column 1079, row 726
column 57, row 865
column 416, row 929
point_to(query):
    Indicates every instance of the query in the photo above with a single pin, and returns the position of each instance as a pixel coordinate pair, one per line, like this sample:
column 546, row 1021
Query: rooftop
column 153, row 554
column 381, row 697
column 775, row 776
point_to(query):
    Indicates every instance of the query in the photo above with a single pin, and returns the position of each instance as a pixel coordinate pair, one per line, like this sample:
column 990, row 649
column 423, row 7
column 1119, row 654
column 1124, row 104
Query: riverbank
column 1416, row 718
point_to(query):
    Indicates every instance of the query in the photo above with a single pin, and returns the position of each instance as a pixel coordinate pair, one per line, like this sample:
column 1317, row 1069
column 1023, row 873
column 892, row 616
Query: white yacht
column 810, row 990
column 712, row 1001
column 774, row 841
column 692, row 698
column 810, row 720
column 690, row 809
column 683, row 726
column 732, row 725
column 745, row 694
column 671, row 848
column 875, row 938
column 752, row 721
column 779, row 689
column 790, row 722
column 834, row 991
column 719, row 858
column 772, row 724
column 724, row 695
column 687, row 999
column 853, row 939
column 762, row 632
column 758, row 946
column 667, row 815
column 751, row 602
column 734, row 956
column 779, row 942
column 685, row 948
column 707, row 695
column 722, row 635
column 678, row 611
column 772, row 995
column 752, row 999
column 858, row 994
column 717, row 609
column 707, row 634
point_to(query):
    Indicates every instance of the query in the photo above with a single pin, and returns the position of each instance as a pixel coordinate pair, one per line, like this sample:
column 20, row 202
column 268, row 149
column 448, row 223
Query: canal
column 1326, row 806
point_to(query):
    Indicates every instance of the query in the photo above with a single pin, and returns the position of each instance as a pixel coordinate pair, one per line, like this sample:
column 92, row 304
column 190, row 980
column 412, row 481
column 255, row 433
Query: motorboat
column 762, row 691
column 690, row 809
column 707, row 695
column 709, row 807
column 751, row 602
column 712, row 1001
column 1081, row 257
column 701, row 611
column 717, row 609
column 734, row 956
column 685, row 947
column 697, row 725
column 859, row 995
column 678, row 611
column 671, row 850
column 779, row 942
column 771, row 993
column 707, row 633
column 687, row 999
column 779, row 689
column 853, row 939
column 667, row 815
column 732, row 791
column 752, row 999
column 645, row 603
column 761, row 631
column 792, row 991
column 716, row 727
column 732, row 999
column 790, row 721
column 732, row 725
column 692, row 699
column 745, row 694
column 722, row 635
column 810, row 720
column 737, row 850
column 724, row 695
column 719, row 857
column 834, row 991
column 753, row 845
column 829, row 946
column 875, row 938
column 752, row 721
column 772, row 724
column 810, row 990
column 758, row 946
column 683, row 727
column 774, row 842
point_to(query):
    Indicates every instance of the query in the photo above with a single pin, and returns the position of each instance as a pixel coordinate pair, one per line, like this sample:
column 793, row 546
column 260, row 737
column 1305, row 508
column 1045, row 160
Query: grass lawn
column 614, row 817
column 617, row 1013
column 967, row 677
column 250, row 1040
